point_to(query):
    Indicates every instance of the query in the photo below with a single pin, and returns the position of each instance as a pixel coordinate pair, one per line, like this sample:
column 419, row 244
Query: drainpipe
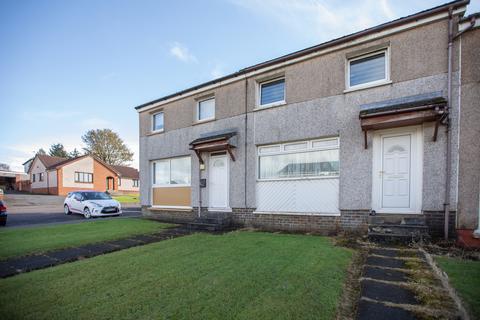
column 446, row 205
column 199, row 189
column 245, row 138
column 476, row 233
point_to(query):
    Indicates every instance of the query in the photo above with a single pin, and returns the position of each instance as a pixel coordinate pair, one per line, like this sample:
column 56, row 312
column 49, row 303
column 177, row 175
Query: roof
column 50, row 161
column 126, row 172
column 31, row 159
column 426, row 99
column 310, row 50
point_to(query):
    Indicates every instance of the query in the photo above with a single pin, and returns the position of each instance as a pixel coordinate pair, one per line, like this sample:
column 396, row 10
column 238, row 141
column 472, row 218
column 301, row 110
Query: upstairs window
column 206, row 109
column 272, row 92
column 367, row 70
column 157, row 122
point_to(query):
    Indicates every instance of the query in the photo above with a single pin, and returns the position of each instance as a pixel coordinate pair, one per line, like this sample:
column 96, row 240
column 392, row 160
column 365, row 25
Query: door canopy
column 215, row 141
column 406, row 111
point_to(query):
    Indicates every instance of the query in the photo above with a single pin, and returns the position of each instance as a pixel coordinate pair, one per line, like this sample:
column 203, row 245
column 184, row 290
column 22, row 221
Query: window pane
column 325, row 143
column 206, row 109
column 162, row 172
column 306, row 164
column 158, row 121
column 367, row 69
column 272, row 92
column 295, row 146
column 180, row 171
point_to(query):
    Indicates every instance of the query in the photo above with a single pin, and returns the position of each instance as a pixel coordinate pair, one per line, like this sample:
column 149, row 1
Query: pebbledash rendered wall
column 316, row 107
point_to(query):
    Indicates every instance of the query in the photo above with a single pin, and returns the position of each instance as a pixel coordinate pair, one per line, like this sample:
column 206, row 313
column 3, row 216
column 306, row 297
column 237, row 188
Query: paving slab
column 387, row 292
column 145, row 239
column 32, row 262
column 385, row 252
column 98, row 248
column 368, row 310
column 385, row 262
column 6, row 270
column 124, row 243
column 384, row 274
column 68, row 255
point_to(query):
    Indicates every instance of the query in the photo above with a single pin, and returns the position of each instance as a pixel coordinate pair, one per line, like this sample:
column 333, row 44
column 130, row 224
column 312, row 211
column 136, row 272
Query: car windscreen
column 96, row 196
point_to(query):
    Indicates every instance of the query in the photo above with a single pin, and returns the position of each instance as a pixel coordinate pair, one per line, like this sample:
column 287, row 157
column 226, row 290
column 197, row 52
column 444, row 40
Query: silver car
column 91, row 204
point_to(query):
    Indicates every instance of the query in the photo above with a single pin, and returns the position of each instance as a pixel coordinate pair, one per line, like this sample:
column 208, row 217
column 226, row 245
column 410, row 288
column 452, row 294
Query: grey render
column 317, row 106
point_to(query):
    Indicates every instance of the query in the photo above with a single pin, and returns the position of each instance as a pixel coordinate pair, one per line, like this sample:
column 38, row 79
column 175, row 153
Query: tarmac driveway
column 30, row 210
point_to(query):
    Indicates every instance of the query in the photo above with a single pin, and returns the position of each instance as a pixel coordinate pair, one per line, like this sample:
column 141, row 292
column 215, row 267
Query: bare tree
column 107, row 146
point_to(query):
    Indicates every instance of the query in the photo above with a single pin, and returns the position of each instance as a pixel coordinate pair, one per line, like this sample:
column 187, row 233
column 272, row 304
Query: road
column 29, row 218
column 34, row 210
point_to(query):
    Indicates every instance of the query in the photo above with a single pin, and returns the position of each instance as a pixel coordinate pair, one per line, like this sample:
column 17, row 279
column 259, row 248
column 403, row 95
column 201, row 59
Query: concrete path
column 398, row 284
column 19, row 265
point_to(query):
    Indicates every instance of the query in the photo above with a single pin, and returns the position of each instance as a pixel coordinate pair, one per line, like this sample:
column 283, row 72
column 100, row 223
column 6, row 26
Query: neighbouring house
column 59, row 176
column 14, row 181
column 339, row 136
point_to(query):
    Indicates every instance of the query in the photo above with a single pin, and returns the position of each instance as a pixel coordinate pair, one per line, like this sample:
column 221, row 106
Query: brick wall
column 436, row 220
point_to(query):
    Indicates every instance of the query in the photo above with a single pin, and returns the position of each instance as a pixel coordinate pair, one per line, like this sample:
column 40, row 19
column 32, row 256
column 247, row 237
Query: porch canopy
column 216, row 141
column 405, row 111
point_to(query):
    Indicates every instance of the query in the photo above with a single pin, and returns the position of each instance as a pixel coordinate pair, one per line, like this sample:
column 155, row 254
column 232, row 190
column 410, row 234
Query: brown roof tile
column 126, row 172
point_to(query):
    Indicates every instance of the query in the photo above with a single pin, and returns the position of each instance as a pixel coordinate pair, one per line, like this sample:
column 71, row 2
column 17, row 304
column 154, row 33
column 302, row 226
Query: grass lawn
column 127, row 198
column 22, row 241
column 240, row 275
column 464, row 275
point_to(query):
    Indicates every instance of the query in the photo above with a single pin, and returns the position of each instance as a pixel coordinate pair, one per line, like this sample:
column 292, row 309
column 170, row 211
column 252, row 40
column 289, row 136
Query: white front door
column 218, row 184
column 397, row 171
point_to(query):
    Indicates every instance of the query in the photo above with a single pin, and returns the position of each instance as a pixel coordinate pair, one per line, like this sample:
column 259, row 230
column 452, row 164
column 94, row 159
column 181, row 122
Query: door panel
column 396, row 159
column 218, row 186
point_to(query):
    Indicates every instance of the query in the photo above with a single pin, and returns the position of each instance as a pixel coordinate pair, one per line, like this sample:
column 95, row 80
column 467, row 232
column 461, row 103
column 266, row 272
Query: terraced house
column 380, row 126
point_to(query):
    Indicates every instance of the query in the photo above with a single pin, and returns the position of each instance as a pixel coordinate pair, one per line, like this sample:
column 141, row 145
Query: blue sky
column 70, row 66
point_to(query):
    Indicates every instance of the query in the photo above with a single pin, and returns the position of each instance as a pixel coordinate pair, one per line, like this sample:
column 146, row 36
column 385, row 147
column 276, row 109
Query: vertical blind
column 272, row 92
column 367, row 69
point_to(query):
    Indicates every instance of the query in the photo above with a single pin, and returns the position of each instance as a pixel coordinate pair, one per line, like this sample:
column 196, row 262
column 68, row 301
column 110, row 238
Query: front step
column 212, row 221
column 397, row 229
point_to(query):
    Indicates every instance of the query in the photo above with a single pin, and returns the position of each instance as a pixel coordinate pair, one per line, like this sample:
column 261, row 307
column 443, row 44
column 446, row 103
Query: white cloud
column 320, row 20
column 182, row 53
column 217, row 71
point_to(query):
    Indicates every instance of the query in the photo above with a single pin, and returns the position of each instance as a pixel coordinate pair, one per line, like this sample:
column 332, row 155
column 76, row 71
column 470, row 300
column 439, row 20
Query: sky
column 70, row 66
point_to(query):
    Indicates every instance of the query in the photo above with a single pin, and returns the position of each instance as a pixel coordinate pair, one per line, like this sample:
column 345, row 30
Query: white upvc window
column 174, row 172
column 296, row 160
column 271, row 93
column 157, row 122
column 368, row 70
column 206, row 109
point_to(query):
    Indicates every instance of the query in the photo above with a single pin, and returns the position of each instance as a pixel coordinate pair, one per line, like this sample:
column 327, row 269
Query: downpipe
column 446, row 205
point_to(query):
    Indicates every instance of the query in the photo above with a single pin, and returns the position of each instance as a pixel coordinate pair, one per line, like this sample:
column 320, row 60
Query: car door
column 76, row 204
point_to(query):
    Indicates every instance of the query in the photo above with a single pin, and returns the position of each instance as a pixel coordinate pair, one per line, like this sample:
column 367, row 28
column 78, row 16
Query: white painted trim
column 358, row 41
column 220, row 209
column 298, row 213
column 416, row 173
column 171, row 207
column 370, row 84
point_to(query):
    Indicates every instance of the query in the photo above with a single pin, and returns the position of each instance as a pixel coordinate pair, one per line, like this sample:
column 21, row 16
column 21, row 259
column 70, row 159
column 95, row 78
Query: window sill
column 155, row 132
column 368, row 86
column 268, row 106
column 299, row 179
column 170, row 208
column 297, row 213
column 197, row 122
column 171, row 185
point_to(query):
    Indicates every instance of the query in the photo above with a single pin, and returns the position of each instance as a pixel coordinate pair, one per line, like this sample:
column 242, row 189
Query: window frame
column 153, row 122
column 260, row 84
column 309, row 148
column 135, row 183
column 83, row 176
column 197, row 117
column 40, row 177
column 169, row 185
column 33, row 177
column 370, row 84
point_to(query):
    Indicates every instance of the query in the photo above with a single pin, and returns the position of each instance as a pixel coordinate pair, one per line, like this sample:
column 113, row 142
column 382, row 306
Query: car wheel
column 86, row 213
column 66, row 209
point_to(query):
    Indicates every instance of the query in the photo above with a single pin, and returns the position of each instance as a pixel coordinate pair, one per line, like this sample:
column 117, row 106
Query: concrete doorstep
column 14, row 266
column 399, row 284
